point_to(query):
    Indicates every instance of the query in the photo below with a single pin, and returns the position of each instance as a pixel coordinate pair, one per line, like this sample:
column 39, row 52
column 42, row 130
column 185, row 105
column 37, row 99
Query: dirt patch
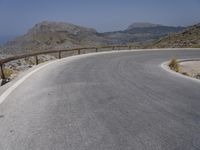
column 190, row 68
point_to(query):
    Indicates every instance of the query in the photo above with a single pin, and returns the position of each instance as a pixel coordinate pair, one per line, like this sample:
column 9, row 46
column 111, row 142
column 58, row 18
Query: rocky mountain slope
column 58, row 35
column 188, row 38
column 142, row 33
column 52, row 35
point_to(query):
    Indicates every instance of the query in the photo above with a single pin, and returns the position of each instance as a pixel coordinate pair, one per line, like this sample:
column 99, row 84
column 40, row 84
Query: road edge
column 165, row 67
column 17, row 83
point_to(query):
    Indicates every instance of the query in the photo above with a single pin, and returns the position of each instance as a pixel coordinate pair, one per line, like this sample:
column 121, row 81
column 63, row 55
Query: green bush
column 174, row 65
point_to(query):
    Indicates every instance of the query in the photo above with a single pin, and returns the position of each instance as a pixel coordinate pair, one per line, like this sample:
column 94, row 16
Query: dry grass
column 7, row 72
column 173, row 64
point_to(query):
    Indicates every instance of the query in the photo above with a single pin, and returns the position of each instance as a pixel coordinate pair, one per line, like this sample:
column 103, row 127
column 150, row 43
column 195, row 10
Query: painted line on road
column 165, row 66
column 20, row 81
column 7, row 92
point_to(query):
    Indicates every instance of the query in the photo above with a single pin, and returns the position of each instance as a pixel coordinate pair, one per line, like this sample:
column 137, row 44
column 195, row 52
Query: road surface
column 115, row 101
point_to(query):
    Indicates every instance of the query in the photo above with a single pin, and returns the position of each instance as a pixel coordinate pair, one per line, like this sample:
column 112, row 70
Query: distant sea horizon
column 6, row 38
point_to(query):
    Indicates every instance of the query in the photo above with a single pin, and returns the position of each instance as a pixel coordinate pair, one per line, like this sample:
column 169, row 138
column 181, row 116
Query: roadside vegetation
column 7, row 72
column 174, row 65
column 190, row 68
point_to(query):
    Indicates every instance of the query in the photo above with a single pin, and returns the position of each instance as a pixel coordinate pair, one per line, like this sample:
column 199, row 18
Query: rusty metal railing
column 36, row 54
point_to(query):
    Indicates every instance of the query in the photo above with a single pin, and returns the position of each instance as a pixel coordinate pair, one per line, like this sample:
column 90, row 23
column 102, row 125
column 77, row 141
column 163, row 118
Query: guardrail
column 36, row 54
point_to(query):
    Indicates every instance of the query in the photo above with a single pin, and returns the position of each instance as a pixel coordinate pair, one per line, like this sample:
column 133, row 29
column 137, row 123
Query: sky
column 17, row 16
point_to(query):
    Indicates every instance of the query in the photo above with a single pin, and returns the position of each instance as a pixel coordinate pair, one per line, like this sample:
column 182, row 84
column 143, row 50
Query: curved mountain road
column 114, row 101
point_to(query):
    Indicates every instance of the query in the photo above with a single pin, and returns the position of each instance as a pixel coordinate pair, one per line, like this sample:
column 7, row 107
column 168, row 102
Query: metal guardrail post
column 79, row 51
column 2, row 73
column 22, row 56
column 59, row 55
column 36, row 60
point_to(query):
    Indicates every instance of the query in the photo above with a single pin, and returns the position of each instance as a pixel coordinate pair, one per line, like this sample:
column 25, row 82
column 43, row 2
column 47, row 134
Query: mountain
column 58, row 35
column 190, row 37
column 150, row 32
column 142, row 25
column 141, row 32
column 52, row 35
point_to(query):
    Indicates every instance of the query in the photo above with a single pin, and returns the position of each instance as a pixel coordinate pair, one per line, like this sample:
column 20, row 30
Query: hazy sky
column 17, row 16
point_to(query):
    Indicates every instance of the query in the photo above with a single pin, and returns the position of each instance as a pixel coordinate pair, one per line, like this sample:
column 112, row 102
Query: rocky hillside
column 188, row 38
column 141, row 32
column 57, row 35
column 52, row 35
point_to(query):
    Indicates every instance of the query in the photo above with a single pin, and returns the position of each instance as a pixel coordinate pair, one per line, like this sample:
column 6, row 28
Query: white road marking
column 20, row 81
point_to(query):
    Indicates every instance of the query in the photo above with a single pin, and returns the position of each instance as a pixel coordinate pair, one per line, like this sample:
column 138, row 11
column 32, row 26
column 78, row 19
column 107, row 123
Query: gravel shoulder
column 190, row 68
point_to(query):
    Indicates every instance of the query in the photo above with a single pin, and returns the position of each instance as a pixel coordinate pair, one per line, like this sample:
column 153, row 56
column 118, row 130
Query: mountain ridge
column 48, row 35
column 142, row 25
column 190, row 37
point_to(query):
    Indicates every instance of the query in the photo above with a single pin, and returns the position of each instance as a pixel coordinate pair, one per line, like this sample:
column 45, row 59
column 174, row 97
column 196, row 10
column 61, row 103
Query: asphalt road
column 118, row 101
